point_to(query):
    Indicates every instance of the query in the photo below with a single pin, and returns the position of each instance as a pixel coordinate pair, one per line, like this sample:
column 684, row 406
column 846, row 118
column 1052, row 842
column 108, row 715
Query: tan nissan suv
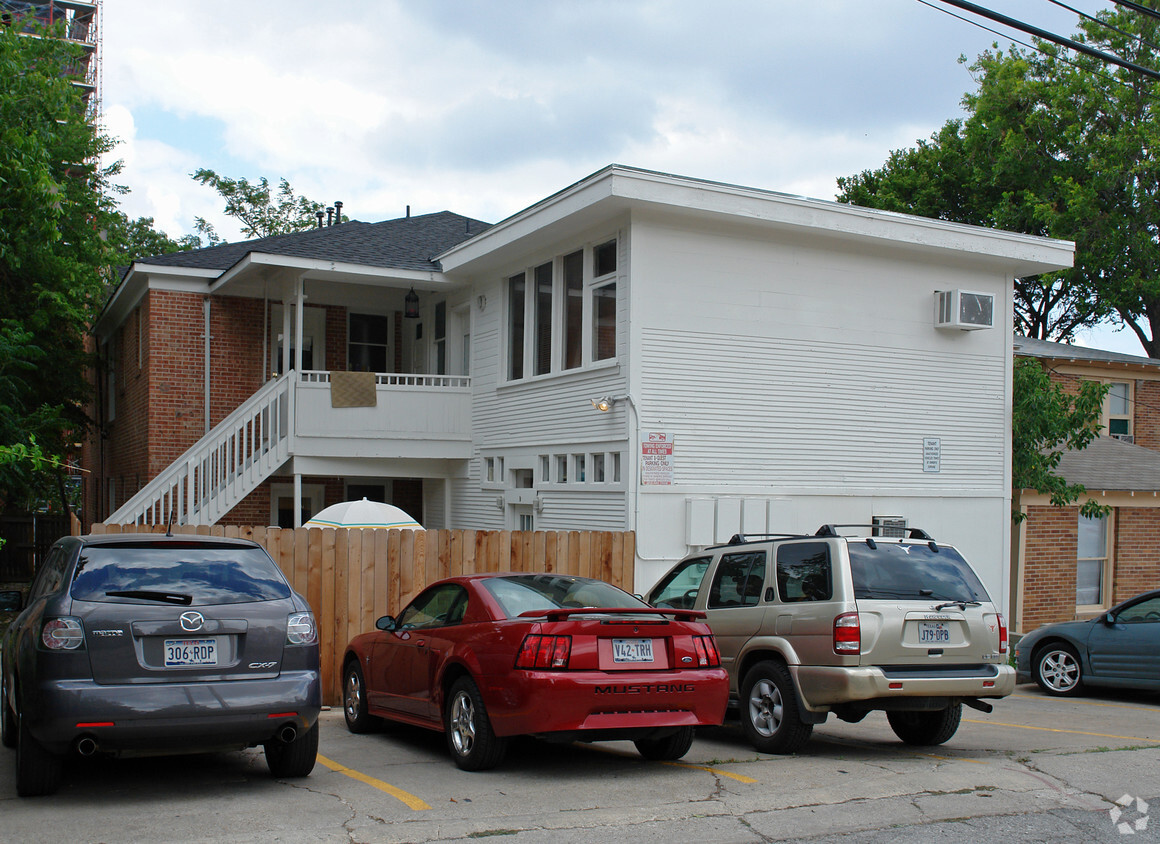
column 849, row 624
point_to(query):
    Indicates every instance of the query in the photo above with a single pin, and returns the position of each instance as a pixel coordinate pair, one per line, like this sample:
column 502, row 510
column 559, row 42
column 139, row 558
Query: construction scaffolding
column 78, row 22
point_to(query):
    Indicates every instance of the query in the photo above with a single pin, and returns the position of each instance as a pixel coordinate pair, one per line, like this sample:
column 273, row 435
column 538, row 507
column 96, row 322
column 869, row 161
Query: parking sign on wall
column 656, row 458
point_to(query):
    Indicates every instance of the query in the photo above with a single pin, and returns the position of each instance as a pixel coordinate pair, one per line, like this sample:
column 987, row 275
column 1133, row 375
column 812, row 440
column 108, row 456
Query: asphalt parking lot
column 1038, row 768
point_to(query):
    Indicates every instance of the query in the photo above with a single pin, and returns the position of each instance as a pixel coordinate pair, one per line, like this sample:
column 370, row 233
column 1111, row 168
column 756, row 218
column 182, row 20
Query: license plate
column 183, row 652
column 632, row 650
column 933, row 633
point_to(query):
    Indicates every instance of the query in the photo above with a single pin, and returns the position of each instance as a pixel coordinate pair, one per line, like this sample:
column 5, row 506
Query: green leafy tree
column 55, row 202
column 260, row 212
column 1059, row 144
column 133, row 239
column 1048, row 420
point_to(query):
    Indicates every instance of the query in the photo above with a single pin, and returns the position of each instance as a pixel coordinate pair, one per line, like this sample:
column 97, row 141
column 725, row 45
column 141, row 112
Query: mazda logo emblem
column 192, row 621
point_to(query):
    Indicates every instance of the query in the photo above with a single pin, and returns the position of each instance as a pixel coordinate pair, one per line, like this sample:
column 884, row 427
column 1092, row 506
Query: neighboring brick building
column 1066, row 566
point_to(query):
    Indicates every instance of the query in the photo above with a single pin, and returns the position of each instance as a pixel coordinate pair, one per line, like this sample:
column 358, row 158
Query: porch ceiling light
column 411, row 305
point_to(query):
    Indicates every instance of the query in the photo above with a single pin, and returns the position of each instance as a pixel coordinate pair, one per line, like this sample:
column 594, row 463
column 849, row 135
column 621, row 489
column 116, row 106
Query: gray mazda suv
column 145, row 643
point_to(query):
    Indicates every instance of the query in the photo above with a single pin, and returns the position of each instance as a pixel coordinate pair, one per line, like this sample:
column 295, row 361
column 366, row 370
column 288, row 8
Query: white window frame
column 558, row 319
column 1106, row 562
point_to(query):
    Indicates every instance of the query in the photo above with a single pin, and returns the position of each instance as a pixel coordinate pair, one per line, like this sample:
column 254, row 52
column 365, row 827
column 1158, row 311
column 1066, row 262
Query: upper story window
column 562, row 313
column 1118, row 409
column 368, row 343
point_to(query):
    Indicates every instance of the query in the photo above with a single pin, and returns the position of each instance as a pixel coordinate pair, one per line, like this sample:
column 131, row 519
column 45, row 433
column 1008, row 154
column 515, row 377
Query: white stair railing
column 221, row 468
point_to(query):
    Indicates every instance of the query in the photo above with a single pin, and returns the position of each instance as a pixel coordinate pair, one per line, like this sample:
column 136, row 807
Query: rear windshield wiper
column 962, row 605
column 146, row 595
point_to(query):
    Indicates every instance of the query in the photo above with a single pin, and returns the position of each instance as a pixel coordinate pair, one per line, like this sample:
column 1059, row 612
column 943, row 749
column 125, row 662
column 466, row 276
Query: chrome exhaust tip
column 287, row 733
column 86, row 745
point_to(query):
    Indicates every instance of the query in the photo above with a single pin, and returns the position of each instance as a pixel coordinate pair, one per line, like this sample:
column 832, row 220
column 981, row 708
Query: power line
column 1136, row 7
column 1104, row 24
column 1056, row 39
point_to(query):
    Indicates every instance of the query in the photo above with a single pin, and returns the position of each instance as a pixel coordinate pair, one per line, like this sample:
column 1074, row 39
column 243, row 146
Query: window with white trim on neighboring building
column 1092, row 562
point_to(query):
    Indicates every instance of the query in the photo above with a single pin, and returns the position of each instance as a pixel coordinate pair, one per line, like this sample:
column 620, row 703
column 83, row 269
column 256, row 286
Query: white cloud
column 483, row 107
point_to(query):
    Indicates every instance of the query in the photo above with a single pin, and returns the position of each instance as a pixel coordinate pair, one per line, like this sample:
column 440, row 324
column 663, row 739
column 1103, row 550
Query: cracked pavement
column 1037, row 769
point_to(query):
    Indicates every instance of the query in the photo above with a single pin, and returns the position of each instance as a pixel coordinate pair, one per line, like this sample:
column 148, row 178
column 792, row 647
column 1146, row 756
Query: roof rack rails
column 742, row 538
column 877, row 531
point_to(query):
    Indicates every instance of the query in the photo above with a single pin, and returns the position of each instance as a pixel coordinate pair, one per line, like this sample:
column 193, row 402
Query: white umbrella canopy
column 363, row 514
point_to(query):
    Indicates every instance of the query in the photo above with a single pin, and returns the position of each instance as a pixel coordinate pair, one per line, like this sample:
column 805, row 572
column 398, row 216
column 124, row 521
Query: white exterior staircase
column 223, row 467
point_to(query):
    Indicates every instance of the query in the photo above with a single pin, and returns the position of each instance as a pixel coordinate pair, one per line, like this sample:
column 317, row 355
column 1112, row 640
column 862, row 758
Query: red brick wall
column 1049, row 565
column 336, row 328
column 176, row 415
column 1146, row 414
column 1137, row 552
column 236, row 354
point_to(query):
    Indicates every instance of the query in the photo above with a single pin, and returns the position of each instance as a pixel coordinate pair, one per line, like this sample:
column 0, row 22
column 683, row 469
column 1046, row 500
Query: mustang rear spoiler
column 564, row 612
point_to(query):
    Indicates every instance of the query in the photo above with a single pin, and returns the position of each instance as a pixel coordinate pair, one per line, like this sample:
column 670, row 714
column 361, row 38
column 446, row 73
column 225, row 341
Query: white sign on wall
column 931, row 454
column 656, row 458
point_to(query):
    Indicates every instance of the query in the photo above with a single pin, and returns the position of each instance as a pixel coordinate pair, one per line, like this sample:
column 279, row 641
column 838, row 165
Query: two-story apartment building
column 1069, row 566
column 642, row 351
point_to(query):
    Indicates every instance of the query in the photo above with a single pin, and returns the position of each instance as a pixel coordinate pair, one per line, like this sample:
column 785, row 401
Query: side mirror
column 1108, row 619
column 386, row 622
column 11, row 600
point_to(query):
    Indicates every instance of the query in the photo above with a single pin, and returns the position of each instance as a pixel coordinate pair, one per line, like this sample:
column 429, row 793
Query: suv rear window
column 912, row 572
column 198, row 574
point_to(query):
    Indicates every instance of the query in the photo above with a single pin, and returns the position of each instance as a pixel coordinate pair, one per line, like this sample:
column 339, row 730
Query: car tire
column 38, row 772
column 770, row 717
column 473, row 744
column 290, row 760
column 1057, row 670
column 7, row 718
column 668, row 748
column 926, row 728
column 354, row 700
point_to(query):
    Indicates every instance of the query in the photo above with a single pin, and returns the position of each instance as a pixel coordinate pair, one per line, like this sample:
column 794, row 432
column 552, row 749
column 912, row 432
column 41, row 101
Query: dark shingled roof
column 1110, row 464
column 407, row 243
column 1032, row 348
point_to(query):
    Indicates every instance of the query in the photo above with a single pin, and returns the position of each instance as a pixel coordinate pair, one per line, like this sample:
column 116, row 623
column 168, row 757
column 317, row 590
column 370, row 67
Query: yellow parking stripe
column 1086, row 702
column 738, row 777
column 409, row 799
column 1057, row 730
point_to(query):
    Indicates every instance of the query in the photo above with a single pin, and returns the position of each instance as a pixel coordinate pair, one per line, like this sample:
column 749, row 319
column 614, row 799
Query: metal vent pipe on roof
column 330, row 216
column 337, row 211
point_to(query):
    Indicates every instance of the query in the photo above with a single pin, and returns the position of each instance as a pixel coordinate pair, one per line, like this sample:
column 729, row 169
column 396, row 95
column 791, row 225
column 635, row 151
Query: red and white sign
column 656, row 458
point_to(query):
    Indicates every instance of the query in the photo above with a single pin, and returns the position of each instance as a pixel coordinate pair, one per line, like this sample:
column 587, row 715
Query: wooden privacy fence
column 352, row 577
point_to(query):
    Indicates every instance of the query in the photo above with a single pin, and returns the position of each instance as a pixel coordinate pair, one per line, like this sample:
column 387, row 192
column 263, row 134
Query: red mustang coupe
column 488, row 656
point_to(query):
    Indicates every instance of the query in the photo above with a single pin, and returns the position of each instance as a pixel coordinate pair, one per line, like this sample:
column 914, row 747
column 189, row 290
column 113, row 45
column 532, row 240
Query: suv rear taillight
column 62, row 634
column 847, row 633
column 301, row 629
column 544, row 652
column 707, row 654
column 1002, row 634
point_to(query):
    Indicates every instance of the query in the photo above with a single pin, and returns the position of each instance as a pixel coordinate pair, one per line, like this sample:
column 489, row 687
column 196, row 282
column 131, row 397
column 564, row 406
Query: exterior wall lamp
column 606, row 403
column 411, row 305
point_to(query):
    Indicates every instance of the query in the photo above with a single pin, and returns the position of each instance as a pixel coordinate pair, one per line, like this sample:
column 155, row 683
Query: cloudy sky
column 483, row 108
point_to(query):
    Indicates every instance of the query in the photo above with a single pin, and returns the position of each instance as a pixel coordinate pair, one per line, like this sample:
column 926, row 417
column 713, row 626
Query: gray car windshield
column 198, row 574
column 518, row 594
column 893, row 570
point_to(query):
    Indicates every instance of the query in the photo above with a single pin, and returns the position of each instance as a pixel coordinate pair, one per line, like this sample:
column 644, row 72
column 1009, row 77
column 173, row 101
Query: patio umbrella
column 363, row 514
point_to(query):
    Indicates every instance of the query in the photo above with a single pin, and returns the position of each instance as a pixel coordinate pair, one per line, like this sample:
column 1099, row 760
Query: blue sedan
column 1116, row 648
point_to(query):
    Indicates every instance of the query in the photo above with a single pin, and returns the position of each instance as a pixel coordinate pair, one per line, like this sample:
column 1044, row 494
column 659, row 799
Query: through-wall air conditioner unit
column 963, row 309
column 1128, row 438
